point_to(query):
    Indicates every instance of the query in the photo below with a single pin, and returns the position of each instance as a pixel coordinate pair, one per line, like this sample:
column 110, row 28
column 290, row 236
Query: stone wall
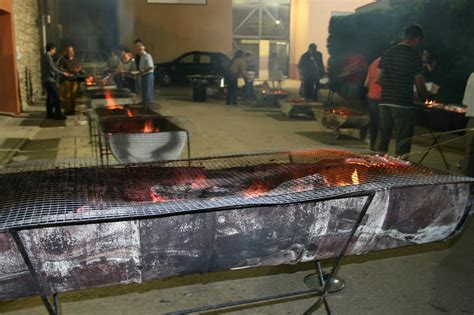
column 28, row 38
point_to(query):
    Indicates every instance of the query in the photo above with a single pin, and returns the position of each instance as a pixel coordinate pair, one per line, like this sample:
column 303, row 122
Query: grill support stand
column 52, row 310
column 438, row 147
column 322, row 293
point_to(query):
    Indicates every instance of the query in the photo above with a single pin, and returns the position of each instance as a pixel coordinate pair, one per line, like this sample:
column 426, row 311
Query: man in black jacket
column 311, row 70
column 49, row 77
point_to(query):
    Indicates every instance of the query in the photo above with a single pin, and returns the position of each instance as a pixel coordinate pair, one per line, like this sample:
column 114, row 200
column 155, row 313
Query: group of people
column 61, row 78
column 243, row 66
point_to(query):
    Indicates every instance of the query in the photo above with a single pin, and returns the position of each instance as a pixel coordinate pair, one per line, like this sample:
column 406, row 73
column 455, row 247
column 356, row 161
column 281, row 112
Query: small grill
column 442, row 117
column 158, row 220
column 339, row 118
column 441, row 120
column 144, row 138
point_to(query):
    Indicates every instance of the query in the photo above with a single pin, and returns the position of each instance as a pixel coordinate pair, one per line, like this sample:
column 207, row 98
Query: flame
column 355, row 178
column 256, row 189
column 340, row 112
column 429, row 103
column 129, row 113
column 89, row 81
column 149, row 128
column 157, row 199
column 110, row 101
column 199, row 182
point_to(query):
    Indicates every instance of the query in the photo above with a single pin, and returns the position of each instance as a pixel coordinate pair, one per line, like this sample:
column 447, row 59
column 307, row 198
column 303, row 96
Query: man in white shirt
column 469, row 151
column 146, row 68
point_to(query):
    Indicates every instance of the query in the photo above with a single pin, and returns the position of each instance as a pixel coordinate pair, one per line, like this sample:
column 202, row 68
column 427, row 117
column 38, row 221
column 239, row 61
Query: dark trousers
column 469, row 151
column 401, row 123
column 310, row 89
column 126, row 82
column 374, row 122
column 53, row 101
column 232, row 89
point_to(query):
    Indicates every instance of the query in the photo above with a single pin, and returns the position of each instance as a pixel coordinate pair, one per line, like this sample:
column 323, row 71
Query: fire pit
column 269, row 96
column 83, row 226
column 95, row 83
column 442, row 117
column 144, row 138
column 110, row 98
column 98, row 144
column 338, row 118
column 300, row 107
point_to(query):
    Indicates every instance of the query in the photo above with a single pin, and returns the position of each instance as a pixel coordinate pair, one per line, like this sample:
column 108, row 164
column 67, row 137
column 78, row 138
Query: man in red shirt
column 374, row 95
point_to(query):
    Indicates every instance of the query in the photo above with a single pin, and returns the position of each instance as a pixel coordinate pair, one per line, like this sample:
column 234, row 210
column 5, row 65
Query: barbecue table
column 53, row 199
column 437, row 118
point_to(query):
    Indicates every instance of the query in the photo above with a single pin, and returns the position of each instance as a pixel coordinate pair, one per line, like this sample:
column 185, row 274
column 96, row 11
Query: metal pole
column 324, row 293
column 47, row 304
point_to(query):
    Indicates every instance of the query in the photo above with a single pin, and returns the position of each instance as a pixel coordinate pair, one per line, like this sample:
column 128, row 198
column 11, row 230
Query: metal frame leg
column 440, row 150
column 52, row 310
column 323, row 297
column 322, row 300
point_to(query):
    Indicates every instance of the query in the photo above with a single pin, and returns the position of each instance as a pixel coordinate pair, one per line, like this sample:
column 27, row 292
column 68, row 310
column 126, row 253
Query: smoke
column 89, row 24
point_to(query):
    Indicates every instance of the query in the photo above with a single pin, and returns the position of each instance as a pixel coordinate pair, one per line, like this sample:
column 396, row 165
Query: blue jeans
column 148, row 81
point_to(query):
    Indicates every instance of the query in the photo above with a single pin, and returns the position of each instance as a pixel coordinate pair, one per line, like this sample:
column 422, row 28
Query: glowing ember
column 262, row 180
column 341, row 111
column 199, row 182
column 429, row 103
column 157, row 199
column 89, row 81
column 148, row 127
column 257, row 189
column 110, row 101
column 129, row 113
column 355, row 178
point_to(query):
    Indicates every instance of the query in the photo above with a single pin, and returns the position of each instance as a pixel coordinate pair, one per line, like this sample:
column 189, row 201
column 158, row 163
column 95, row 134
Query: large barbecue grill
column 81, row 226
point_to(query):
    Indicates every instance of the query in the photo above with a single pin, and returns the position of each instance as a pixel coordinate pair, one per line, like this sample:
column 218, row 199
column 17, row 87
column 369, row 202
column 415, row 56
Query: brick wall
column 28, row 38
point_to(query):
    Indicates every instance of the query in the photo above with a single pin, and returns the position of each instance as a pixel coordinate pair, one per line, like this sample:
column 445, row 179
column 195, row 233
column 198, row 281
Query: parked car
column 191, row 63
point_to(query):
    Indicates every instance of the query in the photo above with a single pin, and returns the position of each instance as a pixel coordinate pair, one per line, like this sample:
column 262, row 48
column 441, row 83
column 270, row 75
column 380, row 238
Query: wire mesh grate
column 40, row 194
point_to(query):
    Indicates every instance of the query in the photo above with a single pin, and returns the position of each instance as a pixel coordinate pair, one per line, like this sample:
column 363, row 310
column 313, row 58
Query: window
column 205, row 59
column 258, row 20
column 187, row 59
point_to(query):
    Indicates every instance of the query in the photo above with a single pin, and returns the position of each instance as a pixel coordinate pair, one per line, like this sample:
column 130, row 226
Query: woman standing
column 374, row 95
column 68, row 90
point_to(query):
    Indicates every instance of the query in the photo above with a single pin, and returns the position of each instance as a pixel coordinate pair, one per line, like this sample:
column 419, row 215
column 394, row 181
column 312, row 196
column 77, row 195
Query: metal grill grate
column 44, row 194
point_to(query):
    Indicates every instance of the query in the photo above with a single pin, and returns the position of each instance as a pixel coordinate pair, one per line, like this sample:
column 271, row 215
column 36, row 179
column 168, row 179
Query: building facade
column 261, row 27
column 20, row 53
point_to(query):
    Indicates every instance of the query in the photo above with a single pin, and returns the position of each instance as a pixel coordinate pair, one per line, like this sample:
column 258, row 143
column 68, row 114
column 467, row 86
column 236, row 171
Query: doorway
column 8, row 79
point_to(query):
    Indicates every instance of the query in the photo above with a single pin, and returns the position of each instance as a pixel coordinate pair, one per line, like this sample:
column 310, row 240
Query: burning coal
column 262, row 180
